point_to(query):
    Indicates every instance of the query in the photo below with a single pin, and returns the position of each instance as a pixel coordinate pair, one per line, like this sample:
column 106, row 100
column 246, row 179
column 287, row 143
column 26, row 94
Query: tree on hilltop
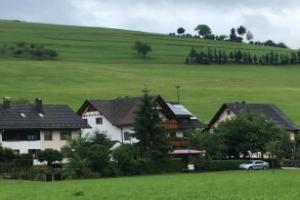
column 180, row 30
column 241, row 30
column 203, row 30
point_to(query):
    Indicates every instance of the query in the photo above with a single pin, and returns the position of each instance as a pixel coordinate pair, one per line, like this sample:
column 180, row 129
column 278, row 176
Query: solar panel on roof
column 179, row 109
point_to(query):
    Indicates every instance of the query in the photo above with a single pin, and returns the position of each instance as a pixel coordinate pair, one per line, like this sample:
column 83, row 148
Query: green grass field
column 99, row 63
column 235, row 185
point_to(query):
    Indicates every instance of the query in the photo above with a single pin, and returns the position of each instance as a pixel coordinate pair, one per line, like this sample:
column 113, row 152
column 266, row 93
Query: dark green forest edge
column 218, row 56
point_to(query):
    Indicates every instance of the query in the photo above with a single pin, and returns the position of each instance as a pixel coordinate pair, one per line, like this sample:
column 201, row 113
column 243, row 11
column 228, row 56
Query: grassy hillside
column 254, row 185
column 99, row 63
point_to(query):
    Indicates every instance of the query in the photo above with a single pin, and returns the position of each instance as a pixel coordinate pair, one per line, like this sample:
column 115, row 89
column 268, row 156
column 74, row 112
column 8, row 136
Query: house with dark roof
column 231, row 110
column 29, row 128
column 116, row 118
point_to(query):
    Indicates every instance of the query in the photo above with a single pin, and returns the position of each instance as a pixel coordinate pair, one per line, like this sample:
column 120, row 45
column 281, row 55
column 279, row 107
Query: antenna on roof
column 177, row 91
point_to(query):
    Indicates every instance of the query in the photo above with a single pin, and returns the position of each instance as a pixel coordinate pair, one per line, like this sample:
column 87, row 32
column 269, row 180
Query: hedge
column 223, row 165
column 290, row 163
column 157, row 167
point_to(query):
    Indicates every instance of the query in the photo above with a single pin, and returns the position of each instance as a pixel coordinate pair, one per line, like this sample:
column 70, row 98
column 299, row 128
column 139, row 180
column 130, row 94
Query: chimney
column 6, row 102
column 39, row 105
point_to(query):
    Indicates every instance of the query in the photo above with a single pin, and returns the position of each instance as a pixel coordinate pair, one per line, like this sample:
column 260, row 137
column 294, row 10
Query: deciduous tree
column 203, row 30
column 180, row 30
column 141, row 48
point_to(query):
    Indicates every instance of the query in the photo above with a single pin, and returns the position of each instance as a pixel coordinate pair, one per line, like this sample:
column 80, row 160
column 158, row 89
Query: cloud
column 267, row 19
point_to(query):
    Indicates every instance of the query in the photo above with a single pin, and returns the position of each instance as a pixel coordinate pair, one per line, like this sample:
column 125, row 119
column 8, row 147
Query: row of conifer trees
column 217, row 56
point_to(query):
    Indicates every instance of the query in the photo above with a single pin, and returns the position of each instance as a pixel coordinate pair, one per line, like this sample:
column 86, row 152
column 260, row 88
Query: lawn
column 235, row 185
column 99, row 63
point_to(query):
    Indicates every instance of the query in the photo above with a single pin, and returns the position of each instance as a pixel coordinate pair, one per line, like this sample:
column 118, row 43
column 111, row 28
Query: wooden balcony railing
column 169, row 125
column 177, row 142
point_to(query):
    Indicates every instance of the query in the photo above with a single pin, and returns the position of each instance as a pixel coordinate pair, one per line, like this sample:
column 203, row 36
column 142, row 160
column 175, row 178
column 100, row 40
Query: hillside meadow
column 230, row 185
column 99, row 63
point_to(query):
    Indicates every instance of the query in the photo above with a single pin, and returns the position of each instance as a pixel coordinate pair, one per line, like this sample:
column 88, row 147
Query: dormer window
column 23, row 115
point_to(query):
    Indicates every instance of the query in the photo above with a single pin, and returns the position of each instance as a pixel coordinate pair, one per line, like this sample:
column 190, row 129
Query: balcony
column 177, row 142
column 169, row 125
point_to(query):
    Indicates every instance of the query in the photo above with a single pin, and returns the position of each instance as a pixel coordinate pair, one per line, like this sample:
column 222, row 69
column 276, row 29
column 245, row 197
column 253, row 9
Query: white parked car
column 254, row 164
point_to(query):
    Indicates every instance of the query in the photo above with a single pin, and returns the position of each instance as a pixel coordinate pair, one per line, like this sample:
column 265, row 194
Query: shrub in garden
column 50, row 156
column 126, row 160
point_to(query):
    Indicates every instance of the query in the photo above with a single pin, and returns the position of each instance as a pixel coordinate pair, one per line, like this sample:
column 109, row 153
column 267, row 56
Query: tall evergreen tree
column 255, row 59
column 298, row 55
column 231, row 56
column 152, row 141
column 233, row 36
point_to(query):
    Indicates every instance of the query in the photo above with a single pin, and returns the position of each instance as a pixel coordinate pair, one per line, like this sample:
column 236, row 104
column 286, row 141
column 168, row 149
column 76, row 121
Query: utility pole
column 177, row 90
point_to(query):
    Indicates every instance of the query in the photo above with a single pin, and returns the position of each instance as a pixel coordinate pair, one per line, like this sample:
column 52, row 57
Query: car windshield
column 249, row 162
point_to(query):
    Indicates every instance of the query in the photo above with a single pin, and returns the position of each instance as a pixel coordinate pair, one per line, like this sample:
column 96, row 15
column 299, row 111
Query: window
column 47, row 135
column 65, row 135
column 126, row 136
column 33, row 136
column 20, row 135
column 99, row 120
column 228, row 112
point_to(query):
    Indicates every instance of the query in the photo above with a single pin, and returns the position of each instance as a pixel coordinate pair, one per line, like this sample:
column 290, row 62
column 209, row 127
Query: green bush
column 6, row 155
column 127, row 163
column 201, row 163
column 33, row 174
column 220, row 165
column 157, row 167
column 111, row 170
column 126, row 160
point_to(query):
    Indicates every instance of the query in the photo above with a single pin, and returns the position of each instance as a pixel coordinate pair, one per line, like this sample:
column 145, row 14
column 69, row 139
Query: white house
column 116, row 117
column 30, row 128
column 229, row 111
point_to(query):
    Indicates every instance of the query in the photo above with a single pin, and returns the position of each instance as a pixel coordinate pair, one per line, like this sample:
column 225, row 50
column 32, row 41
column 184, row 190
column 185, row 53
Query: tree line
column 217, row 56
column 239, row 34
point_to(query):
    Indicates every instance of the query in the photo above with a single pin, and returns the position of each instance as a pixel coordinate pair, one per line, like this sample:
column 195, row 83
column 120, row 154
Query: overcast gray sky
column 267, row 19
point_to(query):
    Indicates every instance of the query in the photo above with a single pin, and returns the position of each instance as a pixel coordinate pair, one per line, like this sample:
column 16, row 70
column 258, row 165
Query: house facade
column 115, row 118
column 30, row 128
column 229, row 111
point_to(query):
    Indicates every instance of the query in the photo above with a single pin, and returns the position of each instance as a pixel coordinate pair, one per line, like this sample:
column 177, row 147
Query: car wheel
column 250, row 168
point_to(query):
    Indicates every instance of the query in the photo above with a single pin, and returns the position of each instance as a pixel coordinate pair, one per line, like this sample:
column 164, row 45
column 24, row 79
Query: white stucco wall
column 223, row 117
column 56, row 142
column 22, row 146
column 113, row 132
